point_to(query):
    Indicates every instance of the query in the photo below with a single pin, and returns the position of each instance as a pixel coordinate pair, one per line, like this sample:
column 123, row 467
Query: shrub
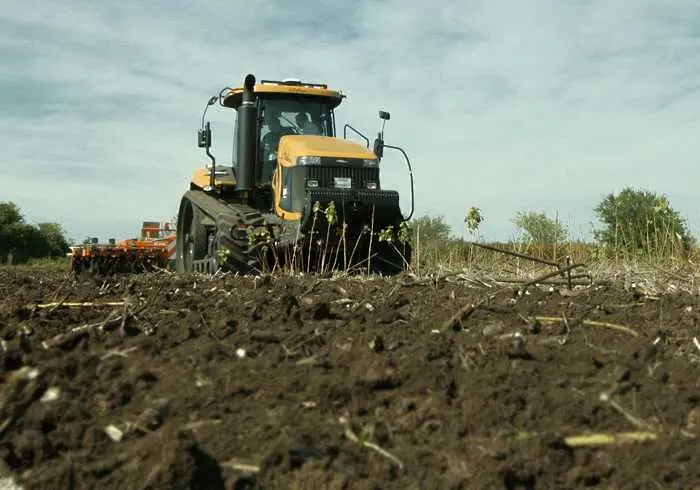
column 540, row 229
column 641, row 223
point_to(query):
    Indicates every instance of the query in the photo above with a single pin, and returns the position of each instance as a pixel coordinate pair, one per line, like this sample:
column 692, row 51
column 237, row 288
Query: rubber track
column 242, row 258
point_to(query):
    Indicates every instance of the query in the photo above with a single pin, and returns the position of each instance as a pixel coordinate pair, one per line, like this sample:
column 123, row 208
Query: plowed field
column 160, row 381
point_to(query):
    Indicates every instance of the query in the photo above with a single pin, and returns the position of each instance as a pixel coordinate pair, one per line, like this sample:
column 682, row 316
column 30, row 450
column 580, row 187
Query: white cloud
column 506, row 106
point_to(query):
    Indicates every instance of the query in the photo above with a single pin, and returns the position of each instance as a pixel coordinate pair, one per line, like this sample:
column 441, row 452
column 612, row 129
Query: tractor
column 295, row 193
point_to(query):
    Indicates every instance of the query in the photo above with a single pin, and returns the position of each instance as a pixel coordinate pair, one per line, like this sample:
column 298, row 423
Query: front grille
column 359, row 175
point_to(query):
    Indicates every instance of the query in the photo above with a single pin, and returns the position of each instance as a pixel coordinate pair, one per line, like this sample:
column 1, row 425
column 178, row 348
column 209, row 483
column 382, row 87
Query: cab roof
column 232, row 97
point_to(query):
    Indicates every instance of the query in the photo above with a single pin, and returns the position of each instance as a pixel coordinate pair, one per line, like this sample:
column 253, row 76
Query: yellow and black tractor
column 295, row 192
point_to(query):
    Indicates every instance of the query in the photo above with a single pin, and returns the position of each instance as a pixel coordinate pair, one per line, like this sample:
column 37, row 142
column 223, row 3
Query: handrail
column 345, row 133
column 410, row 173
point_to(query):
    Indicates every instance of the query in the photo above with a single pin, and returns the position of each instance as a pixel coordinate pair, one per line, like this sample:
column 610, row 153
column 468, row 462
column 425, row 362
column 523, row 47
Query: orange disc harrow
column 151, row 252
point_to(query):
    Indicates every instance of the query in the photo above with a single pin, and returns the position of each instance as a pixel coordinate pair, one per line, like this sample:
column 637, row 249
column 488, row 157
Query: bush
column 641, row 223
column 433, row 242
column 539, row 229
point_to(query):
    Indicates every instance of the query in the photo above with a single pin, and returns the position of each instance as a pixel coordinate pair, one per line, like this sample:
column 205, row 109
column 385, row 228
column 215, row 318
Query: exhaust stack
column 247, row 130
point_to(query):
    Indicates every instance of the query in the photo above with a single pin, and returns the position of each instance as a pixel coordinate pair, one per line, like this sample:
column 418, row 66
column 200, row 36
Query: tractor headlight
column 370, row 162
column 309, row 160
column 312, row 183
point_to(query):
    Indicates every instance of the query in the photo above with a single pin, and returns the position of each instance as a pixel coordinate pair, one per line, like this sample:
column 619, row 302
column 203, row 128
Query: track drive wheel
column 213, row 253
column 192, row 244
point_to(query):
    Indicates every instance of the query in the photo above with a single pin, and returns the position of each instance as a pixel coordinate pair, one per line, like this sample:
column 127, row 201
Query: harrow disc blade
column 118, row 264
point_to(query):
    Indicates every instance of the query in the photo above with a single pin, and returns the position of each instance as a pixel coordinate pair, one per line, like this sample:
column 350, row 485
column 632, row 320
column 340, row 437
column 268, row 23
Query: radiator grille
column 359, row 175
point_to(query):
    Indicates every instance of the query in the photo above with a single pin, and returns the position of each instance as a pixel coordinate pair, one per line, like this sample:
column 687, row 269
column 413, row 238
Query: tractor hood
column 295, row 146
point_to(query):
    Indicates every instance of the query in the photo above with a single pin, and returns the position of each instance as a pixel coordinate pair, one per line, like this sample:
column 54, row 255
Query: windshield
column 283, row 115
column 297, row 115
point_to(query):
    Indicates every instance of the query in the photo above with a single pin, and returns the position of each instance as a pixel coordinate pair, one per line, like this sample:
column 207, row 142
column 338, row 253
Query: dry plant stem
column 200, row 423
column 240, row 466
column 550, row 275
column 697, row 344
column 313, row 224
column 66, row 281
column 125, row 316
column 640, row 424
column 160, row 269
column 403, row 256
column 590, row 323
column 311, row 288
column 467, row 310
column 116, row 352
column 567, row 325
column 418, row 251
column 20, row 385
column 574, row 280
column 325, row 246
column 359, row 264
column 307, row 360
column 515, row 254
column 354, row 249
column 353, row 437
column 603, row 439
column 143, row 307
column 345, row 251
column 210, row 332
column 56, row 304
column 301, row 343
column 59, row 304
column 337, row 249
column 61, row 338
column 371, row 236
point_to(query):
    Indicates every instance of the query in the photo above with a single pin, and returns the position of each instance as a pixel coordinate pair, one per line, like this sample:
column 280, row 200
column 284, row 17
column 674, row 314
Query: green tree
column 431, row 229
column 25, row 242
column 540, row 229
column 20, row 241
column 55, row 239
column 9, row 214
column 10, row 218
column 432, row 241
column 641, row 222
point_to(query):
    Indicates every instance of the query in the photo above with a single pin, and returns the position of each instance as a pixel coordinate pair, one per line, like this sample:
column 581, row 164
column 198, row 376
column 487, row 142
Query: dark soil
column 242, row 383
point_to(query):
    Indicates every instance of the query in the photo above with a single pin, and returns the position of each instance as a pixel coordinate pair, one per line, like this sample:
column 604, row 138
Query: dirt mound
column 162, row 381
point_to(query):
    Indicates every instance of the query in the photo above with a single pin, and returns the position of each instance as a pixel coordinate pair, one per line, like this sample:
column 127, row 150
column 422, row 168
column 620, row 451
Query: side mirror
column 379, row 146
column 384, row 115
column 204, row 136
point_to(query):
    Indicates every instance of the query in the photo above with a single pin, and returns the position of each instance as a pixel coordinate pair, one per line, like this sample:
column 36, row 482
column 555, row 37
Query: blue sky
column 507, row 106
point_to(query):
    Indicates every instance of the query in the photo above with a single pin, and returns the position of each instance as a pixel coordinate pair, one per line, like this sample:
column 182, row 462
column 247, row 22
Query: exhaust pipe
column 247, row 131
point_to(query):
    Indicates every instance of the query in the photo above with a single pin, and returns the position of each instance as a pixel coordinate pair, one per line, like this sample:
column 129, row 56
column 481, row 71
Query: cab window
column 282, row 115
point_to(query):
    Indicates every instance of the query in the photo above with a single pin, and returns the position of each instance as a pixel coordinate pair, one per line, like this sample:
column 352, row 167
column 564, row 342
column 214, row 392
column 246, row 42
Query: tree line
column 633, row 223
column 21, row 241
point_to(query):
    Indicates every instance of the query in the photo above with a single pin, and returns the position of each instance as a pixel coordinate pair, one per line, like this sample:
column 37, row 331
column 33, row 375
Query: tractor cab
column 286, row 115
column 284, row 108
